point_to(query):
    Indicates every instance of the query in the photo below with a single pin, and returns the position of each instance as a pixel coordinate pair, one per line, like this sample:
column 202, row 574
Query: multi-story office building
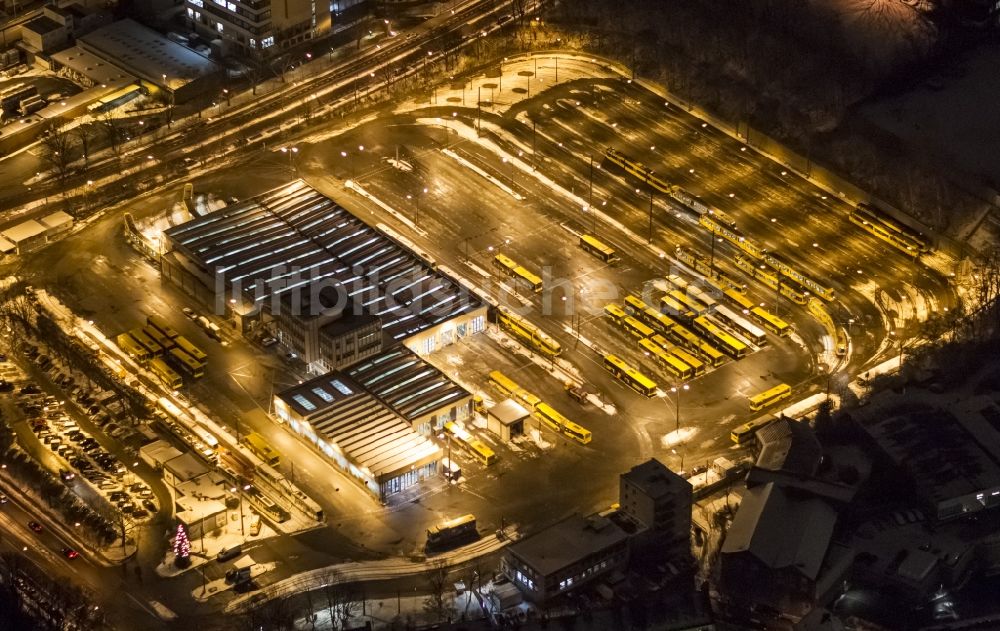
column 260, row 28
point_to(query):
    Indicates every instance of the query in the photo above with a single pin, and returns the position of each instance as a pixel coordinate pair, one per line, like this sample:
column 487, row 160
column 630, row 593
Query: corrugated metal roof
column 292, row 236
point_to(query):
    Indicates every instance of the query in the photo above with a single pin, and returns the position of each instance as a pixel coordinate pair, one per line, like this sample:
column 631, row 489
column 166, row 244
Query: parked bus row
column 528, row 333
column 166, row 353
column 704, row 266
column 542, row 411
column 673, row 330
column 630, row 376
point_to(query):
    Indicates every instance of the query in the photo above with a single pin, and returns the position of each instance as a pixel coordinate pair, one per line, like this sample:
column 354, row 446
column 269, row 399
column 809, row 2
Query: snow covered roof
column 24, row 230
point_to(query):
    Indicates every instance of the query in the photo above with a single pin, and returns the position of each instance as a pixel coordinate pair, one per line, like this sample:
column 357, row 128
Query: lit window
column 267, row 42
column 231, row 6
column 344, row 390
column 253, row 43
column 218, row 26
column 190, row 12
column 197, row 3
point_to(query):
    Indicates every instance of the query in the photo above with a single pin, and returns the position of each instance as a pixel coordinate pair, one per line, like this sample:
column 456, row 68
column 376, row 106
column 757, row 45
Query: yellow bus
column 528, row 332
column 509, row 387
column 635, row 328
column 769, row 277
column 259, row 446
column 740, row 325
column 711, row 354
column 771, row 322
column 741, row 301
column 744, row 433
column 190, row 349
column 671, row 307
column 132, row 348
column 149, row 343
column 690, row 303
column 635, row 305
column 674, row 366
column 477, row 448
column 770, row 397
column 509, row 267
column 697, row 366
column 189, row 365
column 560, row 423
column 648, row 315
column 614, row 311
column 702, row 296
column 593, row 246
column 728, row 343
column 449, row 532
column 161, row 326
column 632, row 377
column 166, row 374
column 159, row 337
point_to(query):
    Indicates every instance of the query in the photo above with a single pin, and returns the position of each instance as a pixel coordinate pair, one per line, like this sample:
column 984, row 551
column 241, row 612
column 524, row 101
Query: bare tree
column 341, row 599
column 57, row 150
column 113, row 132
column 437, row 602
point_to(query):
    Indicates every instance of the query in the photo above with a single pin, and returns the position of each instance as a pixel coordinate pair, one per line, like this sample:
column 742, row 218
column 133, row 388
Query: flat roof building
column 150, row 56
column 565, row 556
column 506, row 419
column 374, row 445
column 658, row 499
column 25, row 236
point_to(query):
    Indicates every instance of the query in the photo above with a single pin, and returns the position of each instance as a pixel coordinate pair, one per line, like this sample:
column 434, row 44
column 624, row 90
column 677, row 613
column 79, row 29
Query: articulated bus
column 770, row 397
column 507, row 386
column 741, row 325
column 599, row 249
column 697, row 366
column 149, row 343
column 132, row 348
column 677, row 282
column 187, row 364
column 190, row 349
column 638, row 170
column 166, row 374
column 771, row 279
column 771, row 322
column 636, row 328
column 161, row 326
column 745, row 433
column 528, row 332
column 259, row 446
column 165, row 342
column 477, row 448
column 560, row 423
column 688, row 302
column 671, row 307
column 648, row 315
column 632, row 377
column 509, row 267
column 673, row 365
column 888, row 229
column 729, row 344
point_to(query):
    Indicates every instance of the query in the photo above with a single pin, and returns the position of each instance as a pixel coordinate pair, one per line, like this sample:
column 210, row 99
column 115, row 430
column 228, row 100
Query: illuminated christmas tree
column 182, row 547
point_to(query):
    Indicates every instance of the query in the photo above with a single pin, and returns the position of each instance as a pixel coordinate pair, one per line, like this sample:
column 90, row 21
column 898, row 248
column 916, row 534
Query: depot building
column 330, row 287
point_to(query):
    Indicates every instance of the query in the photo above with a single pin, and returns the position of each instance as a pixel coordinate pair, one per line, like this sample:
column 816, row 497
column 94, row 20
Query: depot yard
column 534, row 182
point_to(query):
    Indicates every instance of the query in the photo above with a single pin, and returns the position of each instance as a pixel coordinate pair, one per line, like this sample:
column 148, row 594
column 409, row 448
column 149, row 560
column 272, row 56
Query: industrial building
column 360, row 434
column 413, row 389
column 251, row 259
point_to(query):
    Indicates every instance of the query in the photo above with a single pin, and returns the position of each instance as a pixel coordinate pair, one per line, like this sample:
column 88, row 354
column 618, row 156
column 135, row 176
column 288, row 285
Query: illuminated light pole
column 677, row 404
column 226, row 92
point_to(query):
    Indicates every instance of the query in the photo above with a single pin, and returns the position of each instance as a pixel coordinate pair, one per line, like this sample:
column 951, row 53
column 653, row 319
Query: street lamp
column 677, row 404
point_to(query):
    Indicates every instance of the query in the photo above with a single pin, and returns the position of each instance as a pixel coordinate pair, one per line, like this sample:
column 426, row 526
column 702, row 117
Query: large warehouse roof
column 371, row 435
column 406, row 383
column 293, row 236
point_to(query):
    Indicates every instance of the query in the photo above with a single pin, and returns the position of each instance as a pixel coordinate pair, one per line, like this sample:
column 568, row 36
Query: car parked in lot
column 268, row 341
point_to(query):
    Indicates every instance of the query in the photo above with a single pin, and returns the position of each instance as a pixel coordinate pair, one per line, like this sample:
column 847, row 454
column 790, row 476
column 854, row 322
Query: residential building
column 656, row 498
column 261, row 28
